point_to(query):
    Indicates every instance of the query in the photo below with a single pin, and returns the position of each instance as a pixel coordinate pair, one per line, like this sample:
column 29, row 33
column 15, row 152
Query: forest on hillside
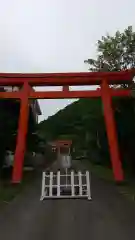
column 83, row 121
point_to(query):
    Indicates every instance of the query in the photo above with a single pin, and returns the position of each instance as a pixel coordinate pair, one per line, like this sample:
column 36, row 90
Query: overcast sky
column 57, row 35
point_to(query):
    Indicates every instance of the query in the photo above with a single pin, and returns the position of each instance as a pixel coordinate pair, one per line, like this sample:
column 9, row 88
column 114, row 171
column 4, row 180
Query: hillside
column 74, row 119
column 83, row 122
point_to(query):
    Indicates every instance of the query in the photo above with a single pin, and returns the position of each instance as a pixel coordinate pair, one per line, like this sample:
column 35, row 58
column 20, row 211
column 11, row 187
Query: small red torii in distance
column 59, row 143
column 104, row 79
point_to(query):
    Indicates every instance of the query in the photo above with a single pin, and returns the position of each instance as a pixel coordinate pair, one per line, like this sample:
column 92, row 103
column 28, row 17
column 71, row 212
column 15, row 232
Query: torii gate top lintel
column 62, row 79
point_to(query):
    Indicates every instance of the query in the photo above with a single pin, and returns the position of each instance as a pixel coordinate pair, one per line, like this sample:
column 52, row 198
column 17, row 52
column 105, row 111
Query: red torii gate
column 104, row 79
column 57, row 144
column 64, row 144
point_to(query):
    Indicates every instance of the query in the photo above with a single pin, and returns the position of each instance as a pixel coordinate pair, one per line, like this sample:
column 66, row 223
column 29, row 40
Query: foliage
column 9, row 110
column 115, row 53
column 83, row 120
column 8, row 125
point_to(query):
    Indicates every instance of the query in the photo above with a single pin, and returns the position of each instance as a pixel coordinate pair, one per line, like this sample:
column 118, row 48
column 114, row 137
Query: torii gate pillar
column 21, row 136
column 111, row 132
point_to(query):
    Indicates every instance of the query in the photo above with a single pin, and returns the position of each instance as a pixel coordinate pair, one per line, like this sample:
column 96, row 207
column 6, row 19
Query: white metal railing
column 68, row 185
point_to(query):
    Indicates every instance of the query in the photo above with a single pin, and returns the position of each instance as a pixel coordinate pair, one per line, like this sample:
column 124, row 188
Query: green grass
column 102, row 172
column 128, row 191
column 9, row 191
column 127, row 188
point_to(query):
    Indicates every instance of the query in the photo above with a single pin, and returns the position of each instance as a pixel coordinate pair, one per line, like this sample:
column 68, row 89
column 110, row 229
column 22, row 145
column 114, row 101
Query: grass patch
column 9, row 191
column 127, row 188
column 101, row 172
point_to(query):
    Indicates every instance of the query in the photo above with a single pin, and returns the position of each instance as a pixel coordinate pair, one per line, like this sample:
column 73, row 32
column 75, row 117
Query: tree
column 9, row 113
column 8, row 125
column 83, row 123
column 83, row 120
column 115, row 53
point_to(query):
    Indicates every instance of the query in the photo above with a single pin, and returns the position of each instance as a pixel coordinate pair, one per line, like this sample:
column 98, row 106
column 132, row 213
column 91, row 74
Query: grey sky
column 56, row 35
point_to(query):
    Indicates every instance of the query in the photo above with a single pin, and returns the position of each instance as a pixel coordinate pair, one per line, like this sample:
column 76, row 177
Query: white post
column 69, row 151
column 66, row 178
column 50, row 184
column 43, row 186
column 88, row 185
column 72, row 183
column 58, row 183
column 80, row 183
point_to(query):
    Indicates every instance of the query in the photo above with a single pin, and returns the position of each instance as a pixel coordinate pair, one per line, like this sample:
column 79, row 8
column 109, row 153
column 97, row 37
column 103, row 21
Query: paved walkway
column 109, row 216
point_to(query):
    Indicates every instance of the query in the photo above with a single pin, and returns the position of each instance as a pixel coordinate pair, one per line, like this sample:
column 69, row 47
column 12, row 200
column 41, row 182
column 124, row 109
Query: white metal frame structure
column 73, row 181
